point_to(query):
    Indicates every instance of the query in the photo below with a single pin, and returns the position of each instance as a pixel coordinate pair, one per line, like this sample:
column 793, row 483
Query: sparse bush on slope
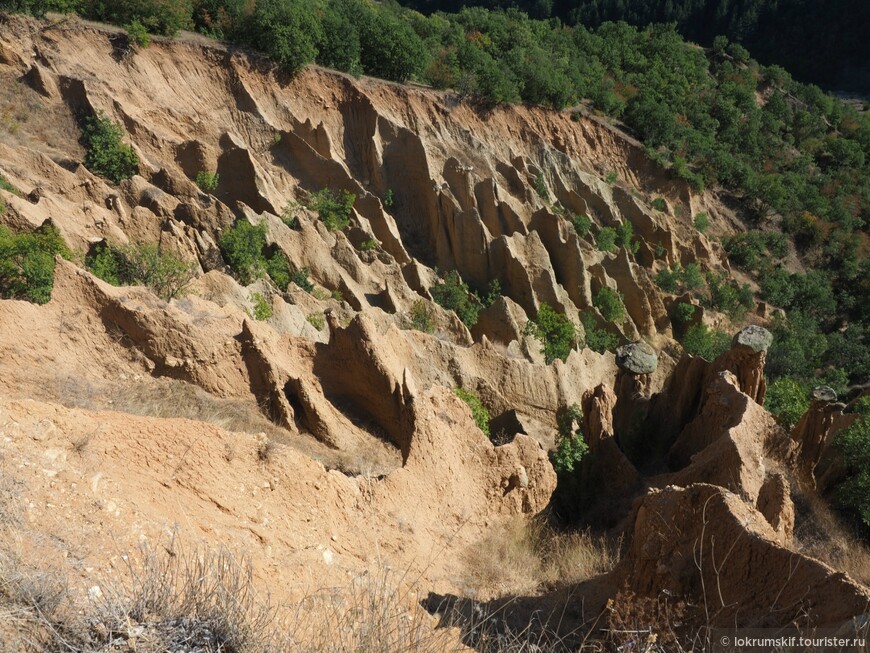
column 107, row 155
column 452, row 293
column 555, row 332
column 144, row 264
column 478, row 410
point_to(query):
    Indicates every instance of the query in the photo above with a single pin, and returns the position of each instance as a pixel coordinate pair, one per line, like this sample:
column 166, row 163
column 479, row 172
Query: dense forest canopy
column 821, row 42
column 797, row 159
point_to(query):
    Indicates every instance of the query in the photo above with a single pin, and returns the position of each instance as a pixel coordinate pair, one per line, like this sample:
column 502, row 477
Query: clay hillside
column 319, row 363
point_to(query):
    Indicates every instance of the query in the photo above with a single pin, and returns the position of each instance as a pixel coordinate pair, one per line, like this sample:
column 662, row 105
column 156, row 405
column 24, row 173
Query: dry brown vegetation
column 524, row 556
column 820, row 533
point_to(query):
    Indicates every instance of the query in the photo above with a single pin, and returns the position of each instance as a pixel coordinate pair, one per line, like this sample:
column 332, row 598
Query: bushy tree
column 286, row 30
column 609, row 302
column 158, row 16
column 606, row 240
column 704, row 342
column 106, row 154
column 453, row 294
column 333, row 208
column 555, row 331
column 854, row 442
column 581, row 223
column 27, row 262
column 242, row 246
column 788, row 400
column 389, row 48
column 144, row 264
column 570, row 445
column 598, row 340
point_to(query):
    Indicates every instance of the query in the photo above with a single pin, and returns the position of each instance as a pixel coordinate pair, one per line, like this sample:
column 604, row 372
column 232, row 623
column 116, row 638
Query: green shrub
column 106, row 154
column 582, row 224
column 555, row 331
column 420, row 317
column 166, row 275
column 27, row 263
column 692, row 277
column 754, row 250
column 798, row 346
column 138, row 34
column 787, row 400
column 207, row 181
column 317, row 321
column 702, row 222
column 606, row 240
column 704, row 342
column 300, row 278
column 158, row 16
column 493, row 292
column 286, row 30
column 728, row 297
column 682, row 313
column 598, row 340
column 669, row 279
column 611, row 177
column 854, row 442
column 570, row 445
column 678, row 278
column 659, row 204
column 334, row 209
column 337, row 295
column 541, row 187
column 278, row 269
column 625, row 237
column 609, row 302
column 262, row 307
column 242, row 246
column 478, row 410
column 389, row 199
column 452, row 294
column 369, row 245
column 7, row 186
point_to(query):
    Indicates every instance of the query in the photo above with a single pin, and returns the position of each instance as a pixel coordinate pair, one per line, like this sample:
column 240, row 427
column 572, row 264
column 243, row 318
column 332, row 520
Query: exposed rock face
column 684, row 392
column 637, row 358
column 606, row 461
column 706, row 543
column 824, row 393
column 757, row 338
column 813, row 436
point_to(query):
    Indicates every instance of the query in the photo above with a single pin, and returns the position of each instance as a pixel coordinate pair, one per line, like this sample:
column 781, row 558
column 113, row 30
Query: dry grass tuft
column 820, row 533
column 266, row 450
column 198, row 599
column 10, row 504
column 523, row 556
column 375, row 613
column 81, row 444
